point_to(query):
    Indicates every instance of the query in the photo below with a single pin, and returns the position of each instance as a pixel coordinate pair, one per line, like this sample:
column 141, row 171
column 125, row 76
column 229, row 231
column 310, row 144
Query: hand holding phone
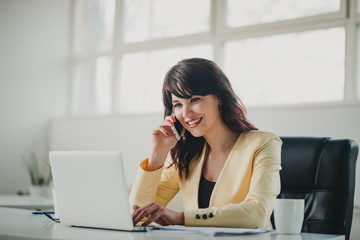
column 173, row 128
column 175, row 132
column 163, row 141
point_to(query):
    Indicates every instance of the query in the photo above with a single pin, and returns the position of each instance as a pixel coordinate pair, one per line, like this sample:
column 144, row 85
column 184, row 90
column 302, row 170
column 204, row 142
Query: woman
column 226, row 170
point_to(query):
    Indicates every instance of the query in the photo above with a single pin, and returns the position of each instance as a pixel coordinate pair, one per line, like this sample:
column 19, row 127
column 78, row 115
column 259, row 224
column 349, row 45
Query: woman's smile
column 194, row 122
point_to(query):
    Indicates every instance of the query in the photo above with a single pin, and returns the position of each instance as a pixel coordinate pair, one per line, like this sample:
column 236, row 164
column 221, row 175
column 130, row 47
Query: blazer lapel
column 232, row 174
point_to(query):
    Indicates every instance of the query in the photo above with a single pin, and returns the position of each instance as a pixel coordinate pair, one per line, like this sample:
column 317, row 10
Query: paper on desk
column 212, row 231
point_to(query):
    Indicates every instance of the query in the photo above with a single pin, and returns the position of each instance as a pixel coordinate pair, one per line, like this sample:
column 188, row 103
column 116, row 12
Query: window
column 94, row 26
column 92, row 86
column 275, row 52
column 151, row 19
column 142, row 75
column 248, row 12
column 289, row 68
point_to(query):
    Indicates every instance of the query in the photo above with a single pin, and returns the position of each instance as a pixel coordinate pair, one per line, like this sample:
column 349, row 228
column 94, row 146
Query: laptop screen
column 90, row 189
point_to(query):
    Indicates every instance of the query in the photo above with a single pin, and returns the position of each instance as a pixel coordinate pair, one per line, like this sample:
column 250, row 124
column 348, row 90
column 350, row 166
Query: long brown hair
column 197, row 76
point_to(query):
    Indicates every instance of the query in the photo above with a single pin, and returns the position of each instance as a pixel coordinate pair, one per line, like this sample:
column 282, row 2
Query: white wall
column 34, row 40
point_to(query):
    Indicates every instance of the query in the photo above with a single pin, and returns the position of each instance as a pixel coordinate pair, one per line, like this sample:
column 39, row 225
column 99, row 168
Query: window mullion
column 217, row 26
column 118, row 44
column 350, row 54
column 70, row 98
column 163, row 43
column 350, row 63
column 346, row 8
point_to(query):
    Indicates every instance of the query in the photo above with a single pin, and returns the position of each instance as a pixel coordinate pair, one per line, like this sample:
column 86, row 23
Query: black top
column 205, row 189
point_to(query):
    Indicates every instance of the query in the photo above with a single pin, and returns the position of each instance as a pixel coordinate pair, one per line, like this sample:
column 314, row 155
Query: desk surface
column 22, row 224
column 25, row 202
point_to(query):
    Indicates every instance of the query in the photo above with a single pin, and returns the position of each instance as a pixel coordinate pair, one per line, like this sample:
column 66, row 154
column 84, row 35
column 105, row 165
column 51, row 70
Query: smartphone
column 176, row 128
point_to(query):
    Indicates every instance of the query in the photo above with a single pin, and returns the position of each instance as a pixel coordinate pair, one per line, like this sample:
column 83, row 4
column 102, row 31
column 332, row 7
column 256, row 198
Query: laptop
column 91, row 190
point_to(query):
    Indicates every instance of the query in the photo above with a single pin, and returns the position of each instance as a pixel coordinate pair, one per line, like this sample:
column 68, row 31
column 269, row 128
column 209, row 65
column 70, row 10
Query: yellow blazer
column 243, row 195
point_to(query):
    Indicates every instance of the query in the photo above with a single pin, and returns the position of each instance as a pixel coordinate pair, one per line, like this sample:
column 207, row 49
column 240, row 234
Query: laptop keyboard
column 141, row 228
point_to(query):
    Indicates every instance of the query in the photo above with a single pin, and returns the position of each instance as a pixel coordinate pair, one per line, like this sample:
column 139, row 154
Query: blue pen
column 42, row 212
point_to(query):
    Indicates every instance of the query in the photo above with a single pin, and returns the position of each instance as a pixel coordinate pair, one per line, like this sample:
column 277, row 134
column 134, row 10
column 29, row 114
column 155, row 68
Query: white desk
column 21, row 224
column 26, row 202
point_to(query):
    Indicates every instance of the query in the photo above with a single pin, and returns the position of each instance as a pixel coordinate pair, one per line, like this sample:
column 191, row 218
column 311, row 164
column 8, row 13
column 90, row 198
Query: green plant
column 38, row 175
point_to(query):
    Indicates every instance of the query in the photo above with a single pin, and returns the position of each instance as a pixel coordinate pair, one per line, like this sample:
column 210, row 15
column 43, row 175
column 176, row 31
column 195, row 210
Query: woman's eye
column 195, row 100
column 177, row 105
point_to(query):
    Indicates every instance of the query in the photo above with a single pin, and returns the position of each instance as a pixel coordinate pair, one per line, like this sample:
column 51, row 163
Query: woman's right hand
column 163, row 140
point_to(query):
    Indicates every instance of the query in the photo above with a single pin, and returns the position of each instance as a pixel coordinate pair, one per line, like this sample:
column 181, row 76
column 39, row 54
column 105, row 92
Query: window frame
column 219, row 33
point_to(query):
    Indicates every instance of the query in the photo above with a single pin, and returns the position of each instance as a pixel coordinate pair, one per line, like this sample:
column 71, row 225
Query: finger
column 137, row 212
column 137, row 218
column 168, row 121
column 147, row 222
column 170, row 118
column 161, row 130
column 155, row 217
column 146, row 211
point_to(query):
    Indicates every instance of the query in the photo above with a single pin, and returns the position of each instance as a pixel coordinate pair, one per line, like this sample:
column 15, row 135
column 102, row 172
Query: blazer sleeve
column 158, row 186
column 256, row 209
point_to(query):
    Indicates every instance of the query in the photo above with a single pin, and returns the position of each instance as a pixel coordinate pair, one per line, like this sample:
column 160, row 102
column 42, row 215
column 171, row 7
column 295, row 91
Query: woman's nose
column 187, row 111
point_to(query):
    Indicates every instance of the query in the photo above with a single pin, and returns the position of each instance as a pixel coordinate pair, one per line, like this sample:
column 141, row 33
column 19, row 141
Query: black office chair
column 321, row 171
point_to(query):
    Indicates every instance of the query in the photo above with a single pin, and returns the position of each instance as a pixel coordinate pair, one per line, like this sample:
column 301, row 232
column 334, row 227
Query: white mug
column 289, row 215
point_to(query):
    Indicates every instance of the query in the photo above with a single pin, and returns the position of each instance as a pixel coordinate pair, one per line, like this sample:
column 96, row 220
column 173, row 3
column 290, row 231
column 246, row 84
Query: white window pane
column 288, row 69
column 92, row 87
column 149, row 19
column 248, row 12
column 94, row 25
column 142, row 75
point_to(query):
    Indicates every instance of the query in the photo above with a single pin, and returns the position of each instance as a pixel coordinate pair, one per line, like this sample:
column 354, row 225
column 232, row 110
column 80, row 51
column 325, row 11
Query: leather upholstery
column 321, row 171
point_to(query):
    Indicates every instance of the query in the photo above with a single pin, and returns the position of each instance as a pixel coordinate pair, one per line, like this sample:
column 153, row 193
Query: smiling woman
column 202, row 78
column 219, row 152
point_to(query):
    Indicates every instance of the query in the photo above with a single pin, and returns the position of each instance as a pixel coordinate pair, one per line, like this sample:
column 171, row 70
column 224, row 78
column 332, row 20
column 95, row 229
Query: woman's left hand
column 158, row 214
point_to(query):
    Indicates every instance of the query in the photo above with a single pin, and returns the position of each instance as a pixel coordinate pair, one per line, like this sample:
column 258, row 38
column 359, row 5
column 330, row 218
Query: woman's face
column 198, row 114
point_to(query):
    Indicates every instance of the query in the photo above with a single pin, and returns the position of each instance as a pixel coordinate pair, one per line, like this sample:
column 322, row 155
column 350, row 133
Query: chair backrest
column 321, row 171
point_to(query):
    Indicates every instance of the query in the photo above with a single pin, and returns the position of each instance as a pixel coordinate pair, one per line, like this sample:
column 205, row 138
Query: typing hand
column 158, row 214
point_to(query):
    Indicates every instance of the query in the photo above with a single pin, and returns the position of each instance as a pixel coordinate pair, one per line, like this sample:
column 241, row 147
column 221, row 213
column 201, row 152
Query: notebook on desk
column 91, row 190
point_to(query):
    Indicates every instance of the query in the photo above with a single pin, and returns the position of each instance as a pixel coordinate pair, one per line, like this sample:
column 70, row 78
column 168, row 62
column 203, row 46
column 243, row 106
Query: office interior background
column 87, row 75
